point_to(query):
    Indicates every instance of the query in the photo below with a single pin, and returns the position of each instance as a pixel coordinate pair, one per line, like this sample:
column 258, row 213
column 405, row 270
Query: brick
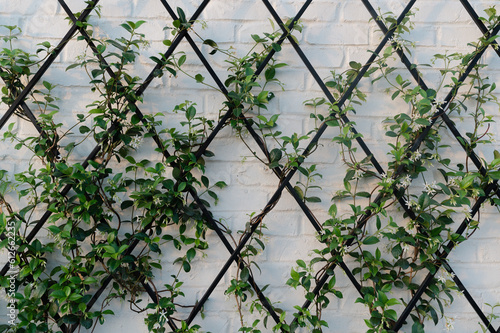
column 281, row 249
column 152, row 9
column 251, row 173
column 440, row 12
column 10, row 20
column 323, row 12
column 353, row 12
column 245, row 30
column 45, row 25
column 458, row 36
column 117, row 8
column 19, row 8
column 469, row 272
column 241, row 10
column 336, row 34
column 324, row 57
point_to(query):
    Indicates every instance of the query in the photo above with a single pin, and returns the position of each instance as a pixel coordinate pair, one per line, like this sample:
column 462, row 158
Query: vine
column 111, row 216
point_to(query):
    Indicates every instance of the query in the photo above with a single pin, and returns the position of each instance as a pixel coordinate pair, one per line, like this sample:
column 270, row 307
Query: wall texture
column 334, row 34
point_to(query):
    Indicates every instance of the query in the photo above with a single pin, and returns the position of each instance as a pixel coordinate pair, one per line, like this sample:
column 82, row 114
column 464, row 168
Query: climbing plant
column 110, row 217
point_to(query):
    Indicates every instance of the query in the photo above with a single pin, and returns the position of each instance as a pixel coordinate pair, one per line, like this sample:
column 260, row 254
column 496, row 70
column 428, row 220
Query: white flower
column 406, row 248
column 467, row 212
column 406, row 181
column 415, row 156
column 410, row 228
column 441, row 279
column 429, row 189
column 448, row 325
column 116, row 198
column 454, row 181
column 452, row 199
column 436, row 106
column 386, row 179
column 358, row 174
column 136, row 142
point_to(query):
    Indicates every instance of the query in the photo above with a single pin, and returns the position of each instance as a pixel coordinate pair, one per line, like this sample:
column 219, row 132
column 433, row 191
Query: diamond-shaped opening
column 389, row 252
column 324, row 180
column 123, row 317
column 334, row 56
column 225, row 24
column 283, row 223
column 345, row 307
column 46, row 22
column 220, row 314
column 485, row 299
column 453, row 38
column 465, row 122
column 484, row 262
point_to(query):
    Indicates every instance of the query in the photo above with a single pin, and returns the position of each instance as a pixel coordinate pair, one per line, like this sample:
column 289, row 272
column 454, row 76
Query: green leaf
column 262, row 97
column 244, row 274
column 210, row 43
column 355, row 65
column 275, row 155
column 182, row 60
column 417, row 328
column 396, row 93
column 391, row 314
column 270, row 73
column 299, row 192
column 333, row 122
column 496, row 154
column 139, row 23
column 313, row 199
column 331, row 84
column 182, row 16
column 182, row 186
column 399, row 79
column 276, row 47
column 186, row 266
column 370, row 240
column 494, row 174
column 199, row 78
column 190, row 112
column 89, row 280
column 333, row 210
column 191, row 253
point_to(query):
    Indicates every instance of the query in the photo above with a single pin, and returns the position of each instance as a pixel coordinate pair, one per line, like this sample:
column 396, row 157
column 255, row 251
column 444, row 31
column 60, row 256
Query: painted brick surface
column 335, row 33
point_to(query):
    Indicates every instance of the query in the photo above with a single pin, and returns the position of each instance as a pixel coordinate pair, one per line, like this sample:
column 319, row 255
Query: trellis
column 235, row 252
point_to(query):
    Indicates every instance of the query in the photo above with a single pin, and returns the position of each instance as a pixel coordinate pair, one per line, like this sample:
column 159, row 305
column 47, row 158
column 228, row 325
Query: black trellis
column 235, row 253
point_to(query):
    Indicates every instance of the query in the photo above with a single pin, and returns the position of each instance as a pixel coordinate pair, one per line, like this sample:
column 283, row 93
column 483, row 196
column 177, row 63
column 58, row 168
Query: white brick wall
column 335, row 32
